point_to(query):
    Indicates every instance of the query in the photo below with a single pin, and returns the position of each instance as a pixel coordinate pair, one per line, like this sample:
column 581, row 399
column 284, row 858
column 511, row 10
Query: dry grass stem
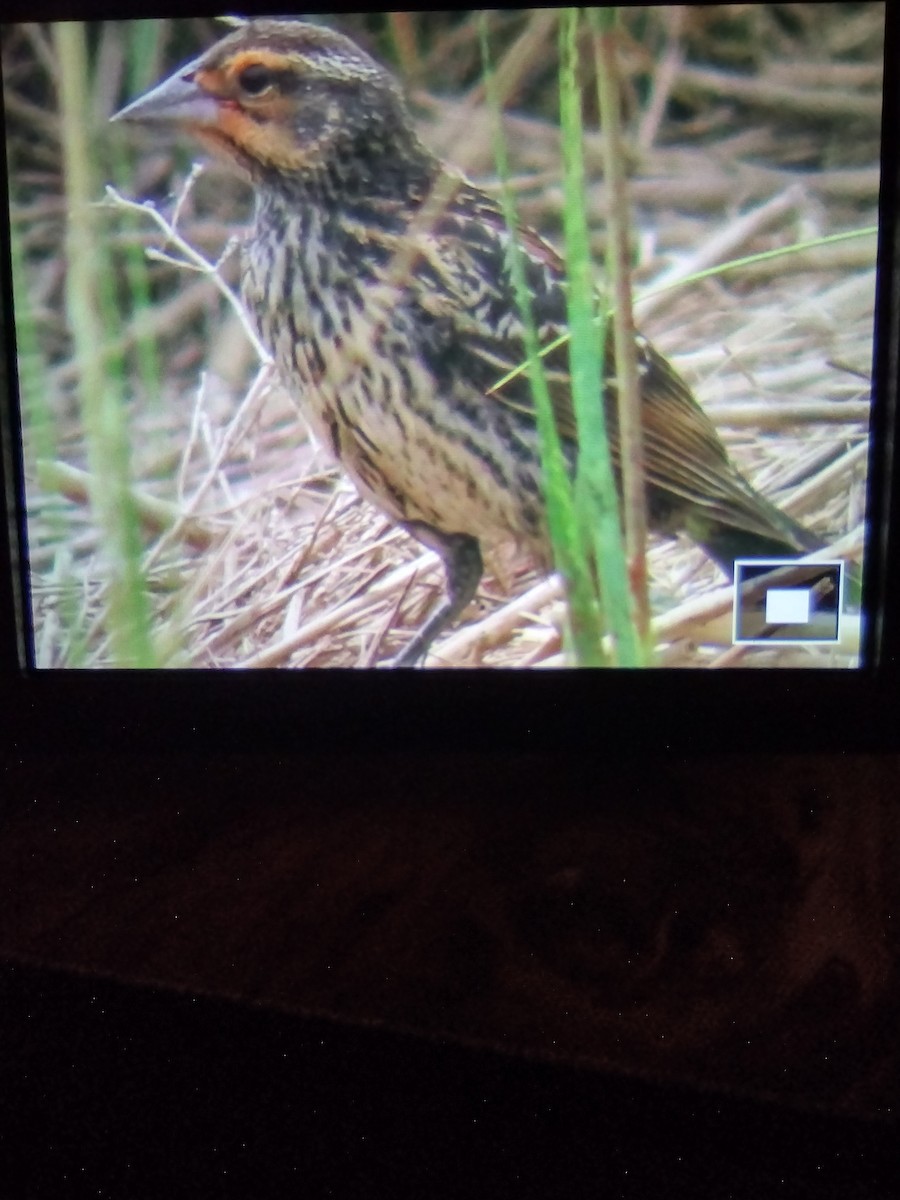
column 189, row 259
column 157, row 516
column 769, row 93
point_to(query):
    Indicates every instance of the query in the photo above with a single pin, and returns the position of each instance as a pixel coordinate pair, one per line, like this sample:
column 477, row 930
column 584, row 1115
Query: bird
column 396, row 326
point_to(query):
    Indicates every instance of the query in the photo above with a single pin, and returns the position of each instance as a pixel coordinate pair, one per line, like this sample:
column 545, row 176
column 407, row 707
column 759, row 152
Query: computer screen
column 515, row 338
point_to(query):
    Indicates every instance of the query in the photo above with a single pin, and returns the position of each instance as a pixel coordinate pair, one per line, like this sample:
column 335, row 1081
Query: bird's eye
column 256, row 79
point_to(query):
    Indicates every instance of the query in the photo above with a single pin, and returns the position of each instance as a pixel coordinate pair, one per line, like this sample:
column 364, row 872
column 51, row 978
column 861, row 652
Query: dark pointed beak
column 176, row 101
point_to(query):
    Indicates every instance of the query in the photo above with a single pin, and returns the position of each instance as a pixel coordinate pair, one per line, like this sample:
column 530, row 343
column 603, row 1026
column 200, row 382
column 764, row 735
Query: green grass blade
column 50, row 520
column 603, row 22
column 584, row 612
column 596, row 492
column 89, row 305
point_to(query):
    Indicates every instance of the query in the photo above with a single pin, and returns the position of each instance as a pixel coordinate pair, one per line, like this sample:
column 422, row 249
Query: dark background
column 370, row 974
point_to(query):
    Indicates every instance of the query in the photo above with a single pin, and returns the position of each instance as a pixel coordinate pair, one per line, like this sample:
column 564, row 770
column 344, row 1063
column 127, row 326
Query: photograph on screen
column 477, row 338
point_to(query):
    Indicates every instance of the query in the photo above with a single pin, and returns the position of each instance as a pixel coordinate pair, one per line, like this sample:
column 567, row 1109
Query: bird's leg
column 461, row 555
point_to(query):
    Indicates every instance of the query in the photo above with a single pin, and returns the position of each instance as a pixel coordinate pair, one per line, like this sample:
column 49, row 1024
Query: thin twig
column 193, row 258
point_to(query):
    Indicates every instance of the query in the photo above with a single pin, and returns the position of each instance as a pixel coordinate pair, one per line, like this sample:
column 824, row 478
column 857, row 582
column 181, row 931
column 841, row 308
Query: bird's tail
column 770, row 533
column 785, row 538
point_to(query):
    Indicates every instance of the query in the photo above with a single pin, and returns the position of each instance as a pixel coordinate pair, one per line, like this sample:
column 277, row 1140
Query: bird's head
column 288, row 102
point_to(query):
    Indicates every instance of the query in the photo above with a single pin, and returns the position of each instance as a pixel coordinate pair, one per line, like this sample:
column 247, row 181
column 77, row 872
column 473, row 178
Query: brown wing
column 684, row 459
